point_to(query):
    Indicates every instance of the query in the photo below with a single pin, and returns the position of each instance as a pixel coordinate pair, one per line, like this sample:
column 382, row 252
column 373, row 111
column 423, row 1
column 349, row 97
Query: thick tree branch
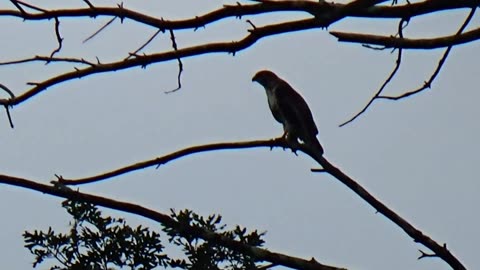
column 440, row 250
column 407, row 43
column 240, row 10
column 229, row 47
column 325, row 15
column 417, row 235
column 258, row 253
column 144, row 60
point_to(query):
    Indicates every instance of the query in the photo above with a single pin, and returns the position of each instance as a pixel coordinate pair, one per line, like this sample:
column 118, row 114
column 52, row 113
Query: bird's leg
column 284, row 135
column 292, row 141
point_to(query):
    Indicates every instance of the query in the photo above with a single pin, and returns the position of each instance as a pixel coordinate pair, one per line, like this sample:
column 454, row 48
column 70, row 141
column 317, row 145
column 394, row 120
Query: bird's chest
column 274, row 104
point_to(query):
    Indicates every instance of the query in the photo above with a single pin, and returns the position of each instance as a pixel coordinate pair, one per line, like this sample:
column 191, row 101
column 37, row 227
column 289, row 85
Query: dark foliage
column 98, row 242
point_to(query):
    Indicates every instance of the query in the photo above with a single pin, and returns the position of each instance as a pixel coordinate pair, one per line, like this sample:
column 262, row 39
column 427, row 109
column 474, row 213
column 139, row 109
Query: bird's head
column 266, row 78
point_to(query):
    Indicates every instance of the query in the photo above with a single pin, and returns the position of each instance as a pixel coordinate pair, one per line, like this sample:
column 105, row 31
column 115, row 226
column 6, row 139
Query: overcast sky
column 419, row 155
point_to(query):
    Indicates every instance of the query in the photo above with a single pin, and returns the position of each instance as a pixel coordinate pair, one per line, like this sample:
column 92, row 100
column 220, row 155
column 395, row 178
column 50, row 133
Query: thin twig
column 426, row 255
column 89, row 4
column 428, row 84
column 144, row 45
column 386, row 82
column 15, row 3
column 59, row 37
column 173, row 156
column 99, row 30
column 6, row 89
column 48, row 60
column 180, row 64
column 8, row 115
column 6, row 106
column 32, row 6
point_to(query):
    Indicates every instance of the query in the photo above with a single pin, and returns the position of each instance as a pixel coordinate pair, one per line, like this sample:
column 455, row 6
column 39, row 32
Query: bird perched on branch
column 290, row 109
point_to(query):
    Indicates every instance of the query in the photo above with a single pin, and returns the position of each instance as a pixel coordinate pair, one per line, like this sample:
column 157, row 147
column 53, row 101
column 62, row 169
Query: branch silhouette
column 324, row 14
column 361, row 9
column 320, row 15
column 386, row 82
column 407, row 43
column 418, row 236
column 167, row 221
column 399, row 44
column 278, row 142
column 428, row 83
column 440, row 250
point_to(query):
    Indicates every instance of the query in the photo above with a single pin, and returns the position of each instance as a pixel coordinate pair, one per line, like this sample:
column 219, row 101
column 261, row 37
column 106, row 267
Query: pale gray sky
column 418, row 155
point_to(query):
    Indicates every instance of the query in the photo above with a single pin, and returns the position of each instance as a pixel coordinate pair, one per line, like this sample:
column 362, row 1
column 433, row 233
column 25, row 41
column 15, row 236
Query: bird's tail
column 315, row 145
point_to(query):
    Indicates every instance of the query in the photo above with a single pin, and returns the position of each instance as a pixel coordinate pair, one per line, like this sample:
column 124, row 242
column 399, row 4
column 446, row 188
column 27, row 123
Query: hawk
column 290, row 109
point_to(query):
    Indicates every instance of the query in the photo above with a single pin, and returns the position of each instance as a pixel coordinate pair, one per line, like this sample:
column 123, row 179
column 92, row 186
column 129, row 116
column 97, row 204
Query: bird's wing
column 295, row 109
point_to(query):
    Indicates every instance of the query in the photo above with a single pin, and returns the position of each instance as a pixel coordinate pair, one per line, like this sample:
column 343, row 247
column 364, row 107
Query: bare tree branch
column 409, row 229
column 99, row 30
column 180, row 64
column 47, row 60
column 229, row 47
column 31, row 6
column 392, row 74
column 428, row 83
column 89, row 4
column 143, row 61
column 7, row 107
column 418, row 236
column 406, row 43
column 426, row 255
column 59, row 37
column 7, row 110
column 135, row 53
column 6, row 89
column 325, row 14
column 258, row 253
column 278, row 142
column 311, row 7
column 17, row 5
